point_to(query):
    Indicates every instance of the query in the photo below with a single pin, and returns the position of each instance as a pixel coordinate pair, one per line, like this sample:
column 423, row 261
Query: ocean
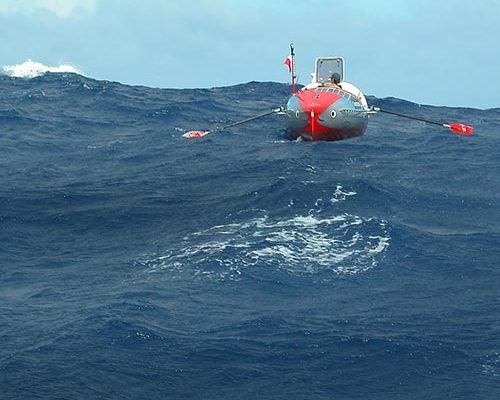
column 136, row 264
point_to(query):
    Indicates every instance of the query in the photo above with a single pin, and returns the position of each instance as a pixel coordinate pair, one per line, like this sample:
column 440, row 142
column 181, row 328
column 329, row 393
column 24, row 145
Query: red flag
column 288, row 63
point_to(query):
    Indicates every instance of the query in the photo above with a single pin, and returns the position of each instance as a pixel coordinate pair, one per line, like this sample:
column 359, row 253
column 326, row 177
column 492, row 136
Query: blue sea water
column 136, row 264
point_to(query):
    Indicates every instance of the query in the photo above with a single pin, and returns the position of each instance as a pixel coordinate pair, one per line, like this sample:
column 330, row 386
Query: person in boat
column 334, row 80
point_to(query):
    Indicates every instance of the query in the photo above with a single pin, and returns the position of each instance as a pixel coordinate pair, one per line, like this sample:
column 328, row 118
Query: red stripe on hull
column 310, row 100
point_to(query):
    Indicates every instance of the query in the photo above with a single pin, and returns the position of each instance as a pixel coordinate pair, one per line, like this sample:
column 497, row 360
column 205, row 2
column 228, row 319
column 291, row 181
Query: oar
column 455, row 127
column 198, row 134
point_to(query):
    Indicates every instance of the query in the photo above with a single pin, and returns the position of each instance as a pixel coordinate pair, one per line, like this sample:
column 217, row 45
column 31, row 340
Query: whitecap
column 312, row 243
column 32, row 69
column 341, row 194
column 297, row 245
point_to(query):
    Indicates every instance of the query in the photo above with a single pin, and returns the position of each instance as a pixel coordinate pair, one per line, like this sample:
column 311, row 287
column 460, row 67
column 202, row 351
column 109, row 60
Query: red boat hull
column 325, row 113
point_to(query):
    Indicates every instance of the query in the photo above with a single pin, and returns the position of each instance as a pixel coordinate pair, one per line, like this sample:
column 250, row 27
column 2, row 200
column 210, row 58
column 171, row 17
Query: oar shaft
column 408, row 116
column 244, row 121
column 199, row 134
column 455, row 127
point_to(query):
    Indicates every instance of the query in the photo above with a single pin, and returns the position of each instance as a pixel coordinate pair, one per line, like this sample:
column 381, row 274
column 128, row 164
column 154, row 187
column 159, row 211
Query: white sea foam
column 491, row 365
column 313, row 243
column 32, row 69
column 341, row 194
column 298, row 245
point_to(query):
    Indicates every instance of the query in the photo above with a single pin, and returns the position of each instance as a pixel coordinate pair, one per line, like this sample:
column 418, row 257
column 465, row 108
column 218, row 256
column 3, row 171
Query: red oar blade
column 194, row 134
column 461, row 129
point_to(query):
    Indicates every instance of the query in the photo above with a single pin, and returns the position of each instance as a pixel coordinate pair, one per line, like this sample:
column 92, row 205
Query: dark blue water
column 135, row 264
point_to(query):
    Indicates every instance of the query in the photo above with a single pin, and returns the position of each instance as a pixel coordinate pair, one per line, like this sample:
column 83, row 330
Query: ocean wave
column 298, row 245
column 181, row 264
column 32, row 69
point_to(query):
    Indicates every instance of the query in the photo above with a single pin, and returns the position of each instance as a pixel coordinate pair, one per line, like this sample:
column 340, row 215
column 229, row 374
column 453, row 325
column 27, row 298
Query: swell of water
column 137, row 264
column 296, row 244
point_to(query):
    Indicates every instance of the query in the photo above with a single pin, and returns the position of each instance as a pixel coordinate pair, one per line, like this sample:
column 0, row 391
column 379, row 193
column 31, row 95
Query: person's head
column 335, row 78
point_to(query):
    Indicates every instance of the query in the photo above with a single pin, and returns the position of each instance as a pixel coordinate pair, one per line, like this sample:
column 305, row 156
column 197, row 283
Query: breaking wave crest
column 308, row 244
column 32, row 69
